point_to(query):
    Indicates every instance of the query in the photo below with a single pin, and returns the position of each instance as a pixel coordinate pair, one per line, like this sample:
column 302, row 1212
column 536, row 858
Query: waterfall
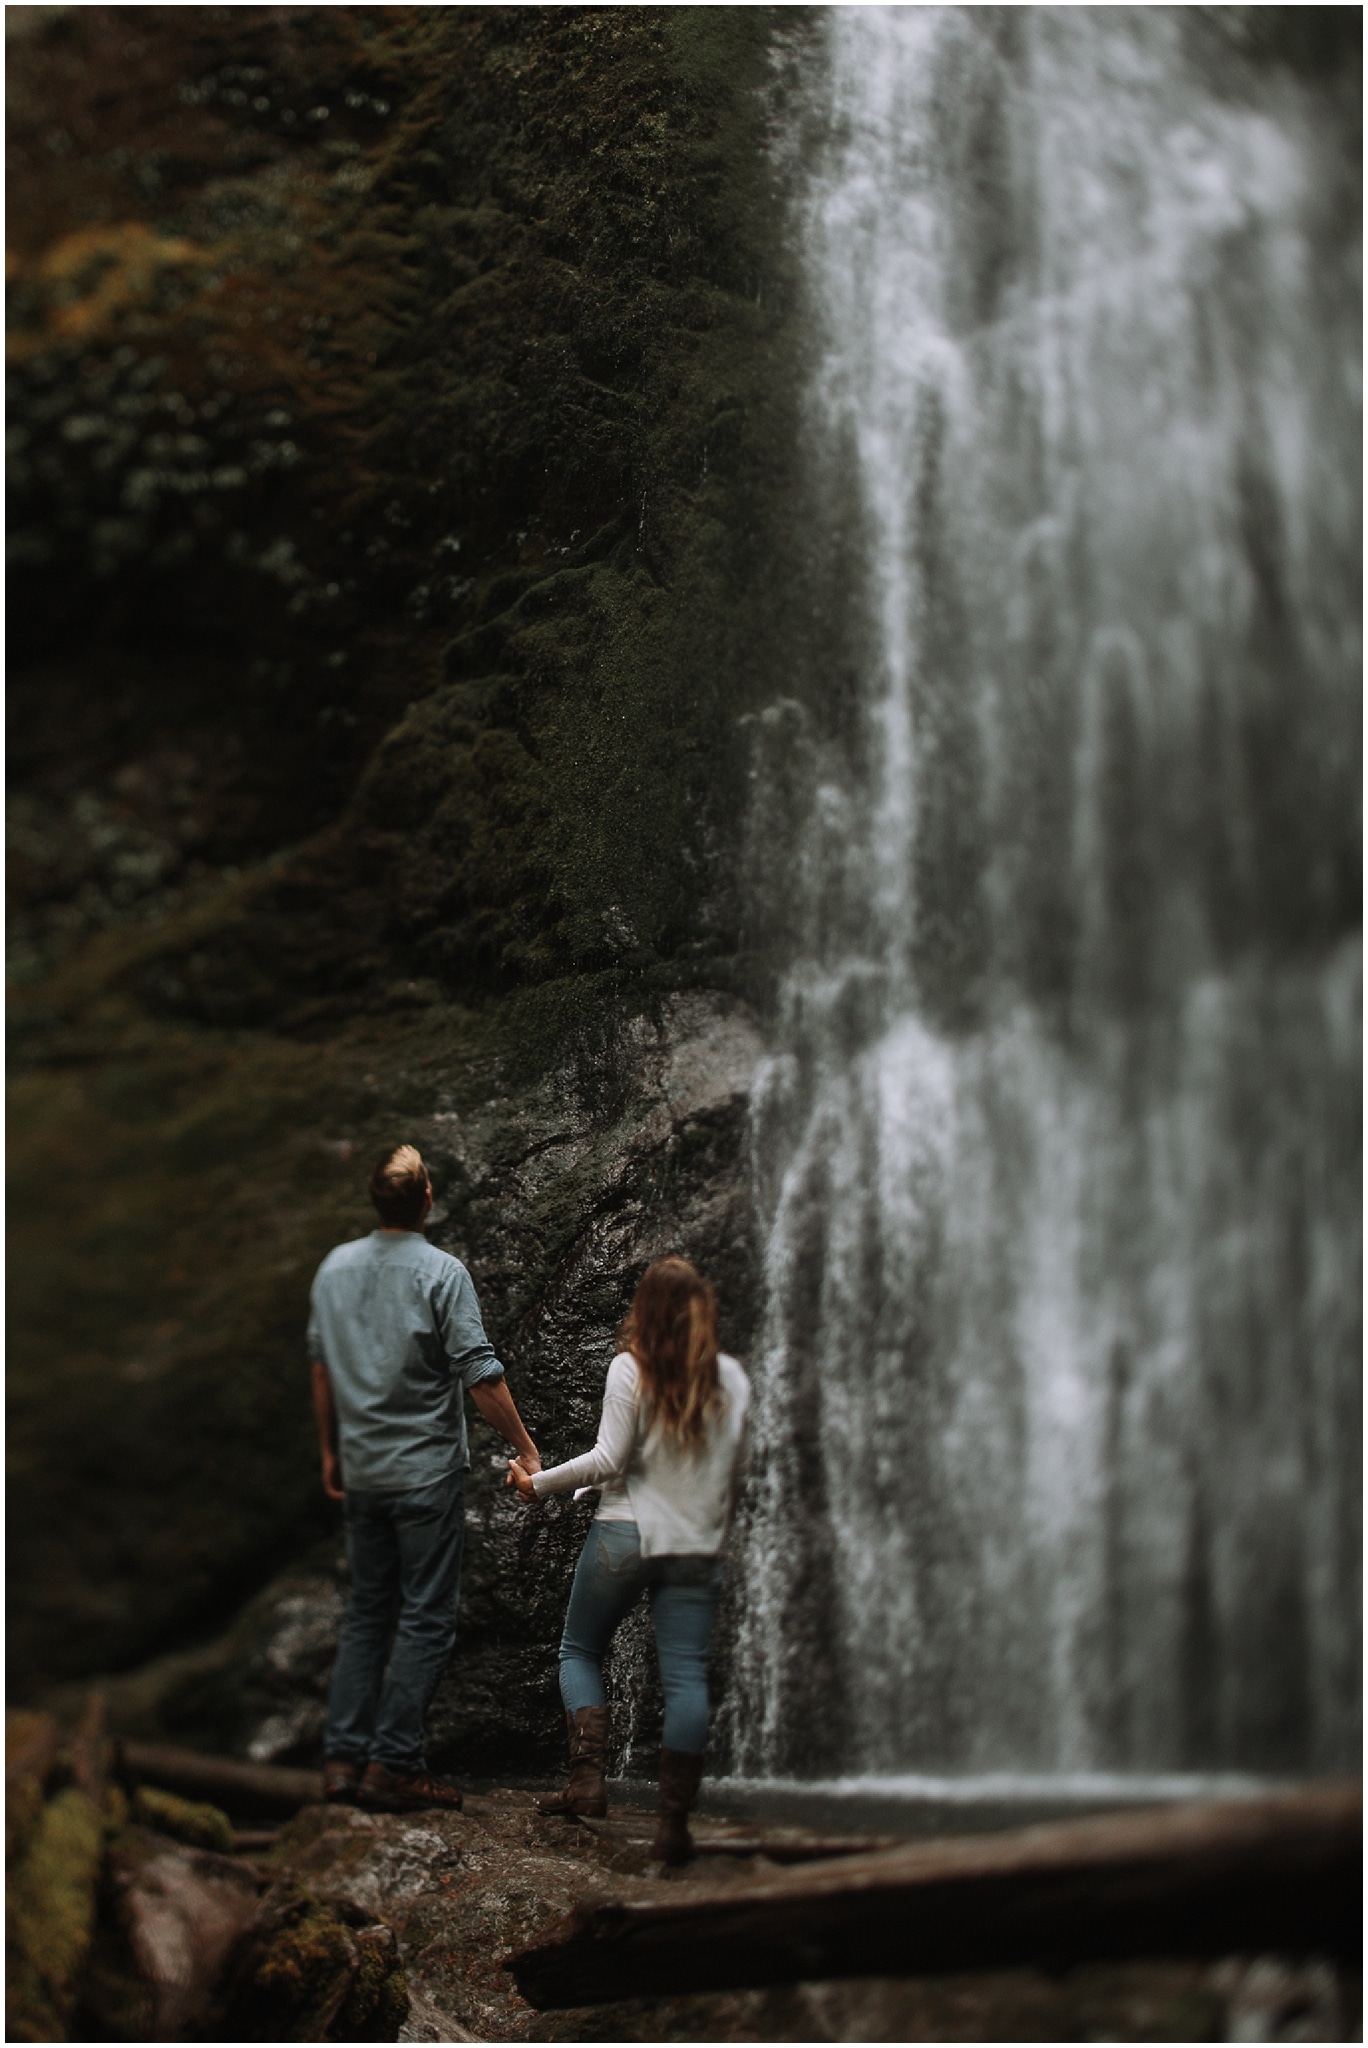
column 1057, row 1426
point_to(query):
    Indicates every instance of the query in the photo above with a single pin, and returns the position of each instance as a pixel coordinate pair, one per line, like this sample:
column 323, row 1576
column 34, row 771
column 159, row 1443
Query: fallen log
column 199, row 1946
column 31, row 1742
column 236, row 1786
column 179, row 1914
column 1202, row 1879
column 51, row 1889
column 805, row 1849
column 90, row 1751
column 773, row 1845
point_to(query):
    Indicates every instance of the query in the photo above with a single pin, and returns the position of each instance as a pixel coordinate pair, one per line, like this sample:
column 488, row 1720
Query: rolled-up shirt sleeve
column 617, row 1434
column 457, row 1312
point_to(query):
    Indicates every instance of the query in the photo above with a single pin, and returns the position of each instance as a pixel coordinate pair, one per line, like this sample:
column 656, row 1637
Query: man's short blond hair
column 399, row 1187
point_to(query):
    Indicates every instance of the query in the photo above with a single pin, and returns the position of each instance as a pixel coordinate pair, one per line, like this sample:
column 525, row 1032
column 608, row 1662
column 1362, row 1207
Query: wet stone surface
column 464, row 1890
column 556, row 1201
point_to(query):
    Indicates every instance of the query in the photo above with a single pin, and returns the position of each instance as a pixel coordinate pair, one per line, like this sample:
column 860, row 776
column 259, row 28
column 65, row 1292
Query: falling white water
column 1057, row 1415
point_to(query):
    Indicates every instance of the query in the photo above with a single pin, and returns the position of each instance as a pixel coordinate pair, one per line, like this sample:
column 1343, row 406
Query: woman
column 668, row 1458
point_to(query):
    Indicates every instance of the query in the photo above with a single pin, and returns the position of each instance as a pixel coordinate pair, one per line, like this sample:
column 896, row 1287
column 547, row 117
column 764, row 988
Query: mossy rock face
column 409, row 475
column 398, row 489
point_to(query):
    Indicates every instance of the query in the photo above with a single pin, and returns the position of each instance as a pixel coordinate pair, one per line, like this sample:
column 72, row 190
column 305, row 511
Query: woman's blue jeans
column 404, row 1550
column 610, row 1578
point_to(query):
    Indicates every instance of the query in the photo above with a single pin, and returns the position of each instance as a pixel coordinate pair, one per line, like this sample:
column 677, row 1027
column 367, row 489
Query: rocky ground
column 462, row 1891
column 133, row 1914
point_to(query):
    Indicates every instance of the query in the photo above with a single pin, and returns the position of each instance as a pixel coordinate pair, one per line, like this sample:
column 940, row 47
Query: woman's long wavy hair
column 671, row 1332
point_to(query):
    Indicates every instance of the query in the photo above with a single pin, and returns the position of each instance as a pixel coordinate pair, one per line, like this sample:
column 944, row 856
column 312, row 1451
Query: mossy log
column 50, row 1911
column 90, row 1751
column 175, row 1918
column 1205, row 1879
column 191, row 1950
column 54, row 1871
column 238, row 1787
column 31, row 1741
column 191, row 1821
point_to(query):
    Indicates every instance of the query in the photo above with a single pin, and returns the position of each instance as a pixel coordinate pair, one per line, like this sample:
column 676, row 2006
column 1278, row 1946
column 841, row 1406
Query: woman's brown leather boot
column 679, row 1776
column 585, row 1789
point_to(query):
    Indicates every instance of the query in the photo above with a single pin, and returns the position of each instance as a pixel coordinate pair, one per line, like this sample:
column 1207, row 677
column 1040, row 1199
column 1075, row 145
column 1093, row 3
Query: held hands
column 521, row 1477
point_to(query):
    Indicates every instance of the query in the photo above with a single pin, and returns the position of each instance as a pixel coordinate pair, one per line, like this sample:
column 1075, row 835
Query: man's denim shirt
column 398, row 1326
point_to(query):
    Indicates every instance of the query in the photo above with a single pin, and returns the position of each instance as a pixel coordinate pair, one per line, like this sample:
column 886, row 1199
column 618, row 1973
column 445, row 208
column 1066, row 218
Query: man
column 395, row 1337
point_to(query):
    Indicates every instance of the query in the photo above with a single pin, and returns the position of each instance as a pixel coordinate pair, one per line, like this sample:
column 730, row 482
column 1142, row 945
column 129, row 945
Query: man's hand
column 519, row 1476
column 495, row 1403
column 326, row 1415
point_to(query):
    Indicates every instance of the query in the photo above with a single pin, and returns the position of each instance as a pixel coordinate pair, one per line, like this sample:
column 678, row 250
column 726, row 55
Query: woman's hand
column 519, row 1476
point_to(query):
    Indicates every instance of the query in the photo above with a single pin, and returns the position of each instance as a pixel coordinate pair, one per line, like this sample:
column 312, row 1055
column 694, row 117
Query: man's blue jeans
column 610, row 1578
column 404, row 1550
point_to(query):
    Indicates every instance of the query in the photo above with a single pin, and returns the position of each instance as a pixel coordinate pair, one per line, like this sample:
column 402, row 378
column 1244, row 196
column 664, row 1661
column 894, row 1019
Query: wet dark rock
column 556, row 1200
column 463, row 1890
column 558, row 1210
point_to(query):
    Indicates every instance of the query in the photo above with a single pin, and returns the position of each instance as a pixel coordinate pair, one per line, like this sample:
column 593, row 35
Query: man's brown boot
column 679, row 1776
column 384, row 1791
column 585, row 1791
column 341, row 1778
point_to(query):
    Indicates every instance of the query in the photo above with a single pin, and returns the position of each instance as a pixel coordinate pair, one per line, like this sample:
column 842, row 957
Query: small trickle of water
column 1056, row 1405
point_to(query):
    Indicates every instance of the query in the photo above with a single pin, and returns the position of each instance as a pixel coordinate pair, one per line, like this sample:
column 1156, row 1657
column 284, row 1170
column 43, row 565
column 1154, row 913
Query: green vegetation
column 50, row 1911
column 317, row 1969
column 396, row 494
column 191, row 1821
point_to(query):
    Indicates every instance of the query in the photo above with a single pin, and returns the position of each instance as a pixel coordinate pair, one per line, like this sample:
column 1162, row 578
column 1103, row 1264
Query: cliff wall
column 401, row 415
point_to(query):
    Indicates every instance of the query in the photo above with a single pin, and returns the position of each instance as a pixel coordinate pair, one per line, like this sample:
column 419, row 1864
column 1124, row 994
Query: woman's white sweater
column 680, row 1500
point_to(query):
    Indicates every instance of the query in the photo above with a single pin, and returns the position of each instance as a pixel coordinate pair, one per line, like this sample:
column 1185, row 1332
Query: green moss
column 461, row 684
column 23, row 1788
column 563, row 478
column 301, row 1956
column 23, row 1808
column 185, row 1820
column 50, row 1911
column 378, row 2003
